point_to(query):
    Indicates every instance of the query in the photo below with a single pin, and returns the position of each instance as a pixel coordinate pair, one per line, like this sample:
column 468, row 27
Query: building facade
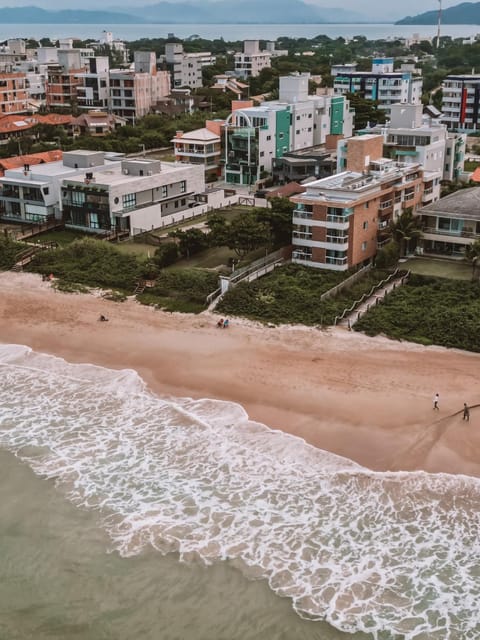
column 98, row 192
column 201, row 147
column 382, row 84
column 13, row 93
column 461, row 102
column 338, row 221
column 252, row 60
column 186, row 69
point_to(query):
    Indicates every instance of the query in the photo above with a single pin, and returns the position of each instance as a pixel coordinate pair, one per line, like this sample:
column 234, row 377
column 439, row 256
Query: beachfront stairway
column 353, row 314
column 25, row 257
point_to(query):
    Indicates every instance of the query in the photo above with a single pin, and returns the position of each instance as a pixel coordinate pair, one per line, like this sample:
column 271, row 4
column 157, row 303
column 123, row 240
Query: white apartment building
column 134, row 93
column 461, row 102
column 412, row 137
column 186, row 68
column 96, row 192
column 381, row 84
column 252, row 60
column 202, row 147
column 94, row 90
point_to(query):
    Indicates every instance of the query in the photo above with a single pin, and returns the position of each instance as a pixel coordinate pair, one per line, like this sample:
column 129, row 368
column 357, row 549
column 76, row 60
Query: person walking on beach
column 436, row 398
column 466, row 412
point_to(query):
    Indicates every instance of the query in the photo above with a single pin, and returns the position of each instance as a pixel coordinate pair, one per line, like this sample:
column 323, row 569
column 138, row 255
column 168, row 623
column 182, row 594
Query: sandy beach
column 368, row 399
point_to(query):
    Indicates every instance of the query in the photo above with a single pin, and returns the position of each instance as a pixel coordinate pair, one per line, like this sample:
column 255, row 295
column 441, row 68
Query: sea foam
column 390, row 554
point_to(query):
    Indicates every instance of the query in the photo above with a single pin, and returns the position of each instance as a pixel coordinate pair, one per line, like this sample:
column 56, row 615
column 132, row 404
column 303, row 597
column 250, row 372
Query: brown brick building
column 13, row 93
column 338, row 221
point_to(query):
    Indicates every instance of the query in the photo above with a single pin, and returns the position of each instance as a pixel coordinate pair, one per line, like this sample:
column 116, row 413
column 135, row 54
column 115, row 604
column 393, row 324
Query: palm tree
column 472, row 252
column 405, row 229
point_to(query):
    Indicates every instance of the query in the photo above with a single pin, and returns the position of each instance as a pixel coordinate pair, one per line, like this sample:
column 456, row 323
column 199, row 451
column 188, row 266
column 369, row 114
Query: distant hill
column 245, row 12
column 464, row 13
column 189, row 12
column 35, row 15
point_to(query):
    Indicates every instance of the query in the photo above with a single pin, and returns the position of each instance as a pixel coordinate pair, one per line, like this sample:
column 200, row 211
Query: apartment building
column 93, row 92
column 381, row 84
column 135, row 92
column 411, row 136
column 98, row 192
column 255, row 136
column 186, row 68
column 252, row 60
column 338, row 220
column 201, row 147
column 13, row 93
column 461, row 102
column 63, row 80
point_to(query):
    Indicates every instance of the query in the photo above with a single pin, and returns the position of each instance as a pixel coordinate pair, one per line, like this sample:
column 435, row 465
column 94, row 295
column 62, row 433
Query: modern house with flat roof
column 450, row 224
column 338, row 221
column 98, row 192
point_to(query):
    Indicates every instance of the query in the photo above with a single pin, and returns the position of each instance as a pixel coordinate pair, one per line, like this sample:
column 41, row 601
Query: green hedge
column 182, row 290
column 429, row 311
column 9, row 250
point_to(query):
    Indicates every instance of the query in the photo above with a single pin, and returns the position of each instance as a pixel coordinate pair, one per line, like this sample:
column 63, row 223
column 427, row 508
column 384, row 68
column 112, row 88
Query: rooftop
column 463, row 204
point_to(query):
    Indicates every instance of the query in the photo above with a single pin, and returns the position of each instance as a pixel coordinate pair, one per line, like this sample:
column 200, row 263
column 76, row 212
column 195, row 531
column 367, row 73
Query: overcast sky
column 391, row 8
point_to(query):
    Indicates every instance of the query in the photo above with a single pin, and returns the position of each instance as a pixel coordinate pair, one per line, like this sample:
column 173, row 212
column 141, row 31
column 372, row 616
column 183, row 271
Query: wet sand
column 368, row 399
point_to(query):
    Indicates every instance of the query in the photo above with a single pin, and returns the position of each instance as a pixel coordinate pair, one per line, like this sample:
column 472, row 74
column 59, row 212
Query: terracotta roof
column 11, row 123
column 32, row 159
column 289, row 189
column 476, row 175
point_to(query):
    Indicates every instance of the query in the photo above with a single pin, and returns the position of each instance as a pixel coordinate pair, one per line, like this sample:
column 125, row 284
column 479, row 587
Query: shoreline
column 365, row 399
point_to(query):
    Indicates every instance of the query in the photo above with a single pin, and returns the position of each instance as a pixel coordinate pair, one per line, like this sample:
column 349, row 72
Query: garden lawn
column 429, row 311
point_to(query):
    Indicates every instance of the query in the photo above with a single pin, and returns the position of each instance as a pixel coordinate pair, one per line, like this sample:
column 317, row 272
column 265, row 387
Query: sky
column 389, row 8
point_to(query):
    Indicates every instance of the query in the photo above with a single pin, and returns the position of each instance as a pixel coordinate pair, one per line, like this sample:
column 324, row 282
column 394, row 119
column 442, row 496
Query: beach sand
column 368, row 399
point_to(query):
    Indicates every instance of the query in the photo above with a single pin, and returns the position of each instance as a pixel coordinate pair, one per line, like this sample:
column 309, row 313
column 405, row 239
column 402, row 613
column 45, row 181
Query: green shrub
column 166, row 254
column 182, row 290
column 91, row 262
column 429, row 311
column 9, row 250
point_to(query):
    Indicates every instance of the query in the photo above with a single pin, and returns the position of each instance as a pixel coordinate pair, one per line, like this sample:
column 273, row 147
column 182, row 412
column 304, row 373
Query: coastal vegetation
column 429, row 311
column 292, row 295
column 9, row 250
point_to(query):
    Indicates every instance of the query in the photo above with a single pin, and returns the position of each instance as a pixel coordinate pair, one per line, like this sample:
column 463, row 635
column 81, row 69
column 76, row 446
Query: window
column 129, row 200
column 262, row 153
column 183, row 186
column 365, row 224
column 269, row 137
column 164, row 191
column 364, row 246
column 78, row 198
column 366, row 205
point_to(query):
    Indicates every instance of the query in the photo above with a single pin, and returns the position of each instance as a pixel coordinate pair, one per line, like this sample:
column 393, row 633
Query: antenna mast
column 439, row 22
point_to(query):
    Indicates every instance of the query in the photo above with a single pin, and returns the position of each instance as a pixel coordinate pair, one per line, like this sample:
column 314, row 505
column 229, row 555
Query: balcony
column 302, row 235
column 301, row 256
column 337, row 239
column 302, row 214
column 338, row 219
column 451, row 232
column 386, row 205
column 336, row 261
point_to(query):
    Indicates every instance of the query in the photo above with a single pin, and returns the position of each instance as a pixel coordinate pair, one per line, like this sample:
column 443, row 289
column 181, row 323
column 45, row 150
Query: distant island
column 221, row 12
column 464, row 13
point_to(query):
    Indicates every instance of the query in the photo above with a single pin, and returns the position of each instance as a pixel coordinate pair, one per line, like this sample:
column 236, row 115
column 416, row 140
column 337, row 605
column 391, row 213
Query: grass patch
column 183, row 290
column 70, row 287
column 291, row 295
column 62, row 237
column 454, row 269
column 429, row 311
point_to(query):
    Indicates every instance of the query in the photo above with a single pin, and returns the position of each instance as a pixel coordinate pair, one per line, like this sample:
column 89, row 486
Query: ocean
column 128, row 515
column 231, row 32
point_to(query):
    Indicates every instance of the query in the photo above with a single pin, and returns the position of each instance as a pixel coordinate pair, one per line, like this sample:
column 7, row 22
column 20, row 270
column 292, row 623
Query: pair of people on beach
column 223, row 324
column 466, row 408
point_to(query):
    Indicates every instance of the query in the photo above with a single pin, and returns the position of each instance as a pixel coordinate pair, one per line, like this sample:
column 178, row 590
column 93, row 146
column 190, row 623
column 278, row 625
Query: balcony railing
column 304, row 235
column 386, row 205
column 339, row 261
column 337, row 219
column 300, row 213
column 337, row 239
column 300, row 255
column 451, row 232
